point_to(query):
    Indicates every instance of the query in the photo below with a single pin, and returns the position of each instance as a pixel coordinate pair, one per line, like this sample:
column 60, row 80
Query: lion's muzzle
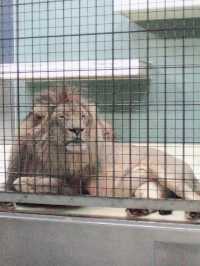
column 76, row 145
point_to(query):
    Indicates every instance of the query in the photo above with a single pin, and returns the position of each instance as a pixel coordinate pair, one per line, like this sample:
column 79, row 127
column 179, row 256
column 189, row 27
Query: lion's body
column 126, row 171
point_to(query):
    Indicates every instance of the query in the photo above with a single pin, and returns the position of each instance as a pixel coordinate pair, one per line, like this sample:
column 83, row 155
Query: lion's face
column 71, row 126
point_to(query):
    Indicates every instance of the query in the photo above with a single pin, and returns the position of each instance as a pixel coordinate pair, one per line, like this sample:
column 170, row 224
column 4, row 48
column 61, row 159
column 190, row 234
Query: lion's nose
column 77, row 131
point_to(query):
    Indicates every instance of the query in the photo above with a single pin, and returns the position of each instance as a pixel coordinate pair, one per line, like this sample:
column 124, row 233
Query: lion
column 79, row 161
column 64, row 149
column 33, row 152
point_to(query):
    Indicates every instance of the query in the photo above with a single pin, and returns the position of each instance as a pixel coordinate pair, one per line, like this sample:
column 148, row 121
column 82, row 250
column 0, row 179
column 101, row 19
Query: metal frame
column 89, row 201
column 86, row 70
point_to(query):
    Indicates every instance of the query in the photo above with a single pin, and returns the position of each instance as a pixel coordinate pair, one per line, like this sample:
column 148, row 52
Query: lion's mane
column 32, row 156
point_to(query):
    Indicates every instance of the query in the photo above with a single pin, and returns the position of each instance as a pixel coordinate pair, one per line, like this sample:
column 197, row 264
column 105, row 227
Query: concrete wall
column 50, row 240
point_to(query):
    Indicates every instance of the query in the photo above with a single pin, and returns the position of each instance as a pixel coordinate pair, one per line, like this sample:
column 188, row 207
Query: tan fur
column 132, row 173
column 107, row 168
column 123, row 175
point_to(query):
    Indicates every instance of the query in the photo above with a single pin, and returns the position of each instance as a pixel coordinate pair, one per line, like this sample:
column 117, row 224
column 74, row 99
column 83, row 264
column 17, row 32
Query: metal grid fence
column 100, row 103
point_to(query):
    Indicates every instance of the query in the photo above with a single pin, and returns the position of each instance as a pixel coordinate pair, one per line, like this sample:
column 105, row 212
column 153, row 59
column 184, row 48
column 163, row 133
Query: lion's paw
column 133, row 213
column 192, row 215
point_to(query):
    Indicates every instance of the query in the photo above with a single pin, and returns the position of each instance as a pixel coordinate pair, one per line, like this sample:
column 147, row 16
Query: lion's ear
column 31, row 121
column 38, row 113
column 109, row 134
column 105, row 130
column 37, row 117
column 34, row 117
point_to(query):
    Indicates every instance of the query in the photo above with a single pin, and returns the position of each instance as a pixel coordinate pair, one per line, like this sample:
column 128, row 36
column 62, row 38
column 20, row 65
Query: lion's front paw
column 23, row 184
column 41, row 184
column 37, row 184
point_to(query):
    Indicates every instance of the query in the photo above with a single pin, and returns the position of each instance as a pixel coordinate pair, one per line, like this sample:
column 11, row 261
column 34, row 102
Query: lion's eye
column 61, row 117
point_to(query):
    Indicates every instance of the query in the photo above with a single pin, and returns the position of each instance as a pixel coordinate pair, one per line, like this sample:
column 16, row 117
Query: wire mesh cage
column 100, row 103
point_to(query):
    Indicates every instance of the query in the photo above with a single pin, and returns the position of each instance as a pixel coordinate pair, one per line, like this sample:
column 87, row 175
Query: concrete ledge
column 57, row 240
